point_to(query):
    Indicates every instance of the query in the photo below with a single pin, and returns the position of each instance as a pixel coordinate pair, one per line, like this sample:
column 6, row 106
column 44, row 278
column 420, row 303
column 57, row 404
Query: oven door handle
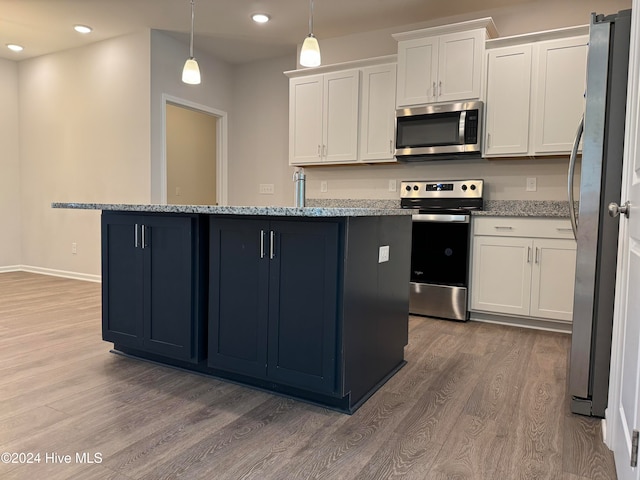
column 440, row 217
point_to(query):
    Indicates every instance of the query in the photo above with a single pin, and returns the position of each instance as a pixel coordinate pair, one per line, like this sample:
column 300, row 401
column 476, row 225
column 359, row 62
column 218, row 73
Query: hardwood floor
column 475, row 401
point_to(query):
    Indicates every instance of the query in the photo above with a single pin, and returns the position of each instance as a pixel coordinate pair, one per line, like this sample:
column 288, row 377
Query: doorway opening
column 195, row 160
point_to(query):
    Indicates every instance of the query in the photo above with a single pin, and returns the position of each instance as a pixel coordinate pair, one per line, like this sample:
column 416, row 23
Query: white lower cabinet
column 523, row 267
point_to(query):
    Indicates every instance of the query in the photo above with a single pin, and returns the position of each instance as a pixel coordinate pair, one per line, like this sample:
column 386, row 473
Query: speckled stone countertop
column 525, row 208
column 311, row 211
column 497, row 208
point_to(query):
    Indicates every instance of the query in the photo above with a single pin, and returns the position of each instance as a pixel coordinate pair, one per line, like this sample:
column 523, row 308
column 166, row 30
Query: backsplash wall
column 504, row 179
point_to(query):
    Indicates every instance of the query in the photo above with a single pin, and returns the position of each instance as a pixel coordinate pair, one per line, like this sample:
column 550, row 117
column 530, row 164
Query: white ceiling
column 222, row 27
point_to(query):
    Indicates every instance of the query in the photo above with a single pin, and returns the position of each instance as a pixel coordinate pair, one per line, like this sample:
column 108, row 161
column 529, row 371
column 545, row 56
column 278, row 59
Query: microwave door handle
column 463, row 120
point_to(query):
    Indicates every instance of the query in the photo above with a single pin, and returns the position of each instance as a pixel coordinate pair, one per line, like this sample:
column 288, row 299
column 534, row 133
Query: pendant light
column 310, row 51
column 191, row 71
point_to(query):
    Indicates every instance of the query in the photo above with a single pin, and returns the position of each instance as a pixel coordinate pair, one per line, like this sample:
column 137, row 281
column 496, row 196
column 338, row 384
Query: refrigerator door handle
column 572, row 168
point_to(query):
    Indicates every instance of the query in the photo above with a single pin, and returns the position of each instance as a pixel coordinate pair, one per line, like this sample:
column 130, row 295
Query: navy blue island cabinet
column 151, row 283
column 309, row 306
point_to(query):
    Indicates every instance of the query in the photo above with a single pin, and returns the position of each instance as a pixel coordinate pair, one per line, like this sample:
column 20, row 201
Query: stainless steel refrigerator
column 597, row 230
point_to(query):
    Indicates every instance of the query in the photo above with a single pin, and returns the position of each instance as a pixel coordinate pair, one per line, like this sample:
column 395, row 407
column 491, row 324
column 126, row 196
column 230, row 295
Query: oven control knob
column 464, row 188
column 408, row 188
column 473, row 187
column 415, row 187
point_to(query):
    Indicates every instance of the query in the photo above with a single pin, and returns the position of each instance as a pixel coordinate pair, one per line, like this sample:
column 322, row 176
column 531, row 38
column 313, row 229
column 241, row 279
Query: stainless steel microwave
column 440, row 131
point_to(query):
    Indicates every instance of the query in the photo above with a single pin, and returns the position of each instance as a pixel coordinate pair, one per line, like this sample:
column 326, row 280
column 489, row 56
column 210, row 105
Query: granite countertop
column 525, row 208
column 312, row 211
column 498, row 208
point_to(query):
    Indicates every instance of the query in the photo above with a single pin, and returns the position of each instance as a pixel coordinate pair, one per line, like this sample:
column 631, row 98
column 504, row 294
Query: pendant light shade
column 191, row 70
column 310, row 51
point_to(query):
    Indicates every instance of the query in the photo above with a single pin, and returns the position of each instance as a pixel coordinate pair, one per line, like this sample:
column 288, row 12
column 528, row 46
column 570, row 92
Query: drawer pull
column 498, row 227
column 565, row 230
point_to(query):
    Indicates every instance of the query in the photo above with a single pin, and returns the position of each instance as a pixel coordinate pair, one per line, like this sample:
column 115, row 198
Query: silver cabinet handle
column 144, row 235
column 135, row 237
column 440, row 88
column 435, row 92
column 498, row 227
column 261, row 243
column 319, row 153
column 324, row 151
column 537, row 255
column 391, row 146
column 488, row 140
column 565, row 230
column 272, row 241
column 528, row 254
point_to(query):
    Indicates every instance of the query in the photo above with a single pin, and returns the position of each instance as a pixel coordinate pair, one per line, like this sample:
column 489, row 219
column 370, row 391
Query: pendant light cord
column 191, row 41
column 311, row 18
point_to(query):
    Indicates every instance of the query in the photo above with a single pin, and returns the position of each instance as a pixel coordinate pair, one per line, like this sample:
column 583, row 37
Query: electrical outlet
column 178, row 191
column 393, row 185
column 383, row 254
column 266, row 188
column 74, row 248
column 532, row 184
column 323, row 186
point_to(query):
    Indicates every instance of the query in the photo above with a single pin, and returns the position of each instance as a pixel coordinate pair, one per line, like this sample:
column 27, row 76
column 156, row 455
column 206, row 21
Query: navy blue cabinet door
column 303, row 304
column 170, row 314
column 273, row 300
column 149, row 265
column 238, row 301
column 122, row 280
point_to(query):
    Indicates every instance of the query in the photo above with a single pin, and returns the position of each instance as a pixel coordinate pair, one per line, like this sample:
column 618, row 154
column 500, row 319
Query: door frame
column 615, row 435
column 221, row 146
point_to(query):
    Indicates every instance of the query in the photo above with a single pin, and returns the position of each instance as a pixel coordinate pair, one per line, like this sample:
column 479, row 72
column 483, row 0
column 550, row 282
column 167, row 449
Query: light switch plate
column 393, row 186
column 383, row 254
column 323, row 186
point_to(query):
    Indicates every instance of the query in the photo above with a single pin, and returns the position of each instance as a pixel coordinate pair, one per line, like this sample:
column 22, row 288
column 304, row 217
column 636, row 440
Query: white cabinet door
column 442, row 68
column 553, row 279
column 501, row 274
column 558, row 93
column 417, row 71
column 507, row 105
column 305, row 119
column 340, row 125
column 377, row 113
column 460, row 65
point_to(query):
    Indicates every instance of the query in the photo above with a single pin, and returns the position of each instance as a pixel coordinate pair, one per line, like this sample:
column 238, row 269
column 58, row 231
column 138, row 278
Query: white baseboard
column 526, row 322
column 11, row 268
column 55, row 273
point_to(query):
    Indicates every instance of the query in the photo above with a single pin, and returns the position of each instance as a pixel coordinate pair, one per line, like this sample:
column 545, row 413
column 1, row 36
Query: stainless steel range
column 440, row 244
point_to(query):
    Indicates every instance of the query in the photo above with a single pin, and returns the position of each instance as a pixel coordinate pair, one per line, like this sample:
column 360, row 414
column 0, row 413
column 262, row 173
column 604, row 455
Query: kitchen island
column 307, row 302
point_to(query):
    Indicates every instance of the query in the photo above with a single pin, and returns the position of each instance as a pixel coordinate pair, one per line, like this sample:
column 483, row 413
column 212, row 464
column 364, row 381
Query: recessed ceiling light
column 14, row 47
column 260, row 17
column 82, row 29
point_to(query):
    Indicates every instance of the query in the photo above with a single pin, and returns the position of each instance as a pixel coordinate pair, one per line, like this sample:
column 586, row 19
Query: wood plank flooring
column 475, row 401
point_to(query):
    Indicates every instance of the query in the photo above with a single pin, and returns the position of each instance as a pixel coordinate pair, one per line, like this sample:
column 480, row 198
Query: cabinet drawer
column 523, row 227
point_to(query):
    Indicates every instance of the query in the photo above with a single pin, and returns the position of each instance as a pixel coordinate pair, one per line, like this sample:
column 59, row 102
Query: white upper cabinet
column 508, row 93
column 343, row 114
column 559, row 93
column 323, row 118
column 377, row 113
column 417, row 71
column 535, row 94
column 305, row 119
column 442, row 64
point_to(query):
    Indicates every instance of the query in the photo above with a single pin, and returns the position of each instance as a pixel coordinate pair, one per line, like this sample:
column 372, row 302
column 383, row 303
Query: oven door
column 440, row 266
